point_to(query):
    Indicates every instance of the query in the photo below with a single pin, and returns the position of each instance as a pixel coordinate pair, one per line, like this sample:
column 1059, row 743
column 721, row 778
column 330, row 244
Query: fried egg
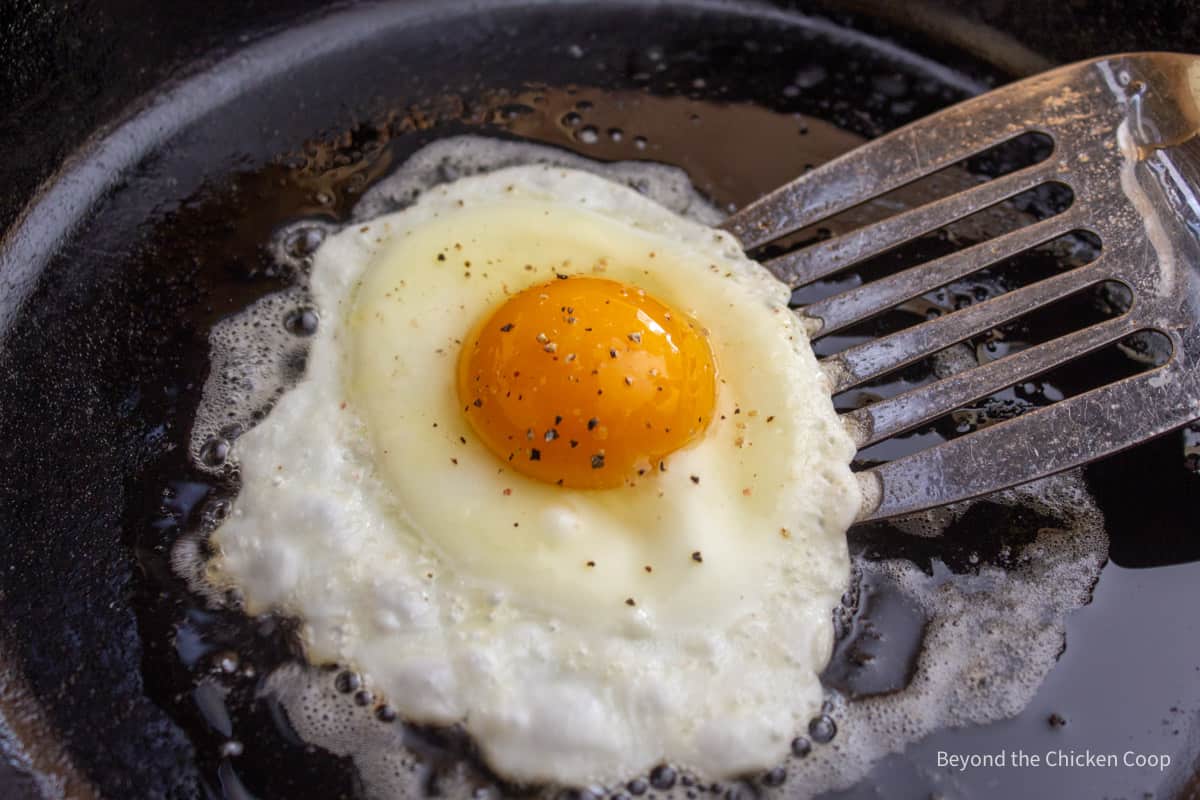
column 562, row 470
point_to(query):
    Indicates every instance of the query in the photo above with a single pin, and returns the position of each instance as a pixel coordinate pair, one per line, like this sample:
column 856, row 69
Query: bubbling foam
column 991, row 634
column 255, row 356
column 990, row 638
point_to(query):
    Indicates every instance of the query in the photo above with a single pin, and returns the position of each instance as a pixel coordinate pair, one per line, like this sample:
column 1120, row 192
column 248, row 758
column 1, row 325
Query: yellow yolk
column 586, row 382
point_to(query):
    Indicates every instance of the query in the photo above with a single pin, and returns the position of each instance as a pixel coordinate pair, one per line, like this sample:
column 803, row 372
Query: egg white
column 462, row 589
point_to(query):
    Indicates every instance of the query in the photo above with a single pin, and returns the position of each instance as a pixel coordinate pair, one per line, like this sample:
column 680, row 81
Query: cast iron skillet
column 113, row 273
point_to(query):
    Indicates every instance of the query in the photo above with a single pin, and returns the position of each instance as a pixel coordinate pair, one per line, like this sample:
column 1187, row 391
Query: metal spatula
column 1124, row 137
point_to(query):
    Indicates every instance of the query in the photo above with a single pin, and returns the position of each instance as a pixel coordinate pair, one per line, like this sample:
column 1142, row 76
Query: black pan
column 142, row 186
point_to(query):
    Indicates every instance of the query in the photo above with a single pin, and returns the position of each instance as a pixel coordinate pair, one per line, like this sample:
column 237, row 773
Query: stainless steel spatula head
column 1124, row 133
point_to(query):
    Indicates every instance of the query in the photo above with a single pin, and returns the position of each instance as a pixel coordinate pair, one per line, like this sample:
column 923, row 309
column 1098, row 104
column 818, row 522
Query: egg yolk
column 586, row 382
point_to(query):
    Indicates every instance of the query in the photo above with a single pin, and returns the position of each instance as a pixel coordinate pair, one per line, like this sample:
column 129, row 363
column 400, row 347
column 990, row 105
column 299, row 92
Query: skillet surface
column 110, row 287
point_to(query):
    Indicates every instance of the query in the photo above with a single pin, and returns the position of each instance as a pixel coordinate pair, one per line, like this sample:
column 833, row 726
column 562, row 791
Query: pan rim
column 62, row 201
